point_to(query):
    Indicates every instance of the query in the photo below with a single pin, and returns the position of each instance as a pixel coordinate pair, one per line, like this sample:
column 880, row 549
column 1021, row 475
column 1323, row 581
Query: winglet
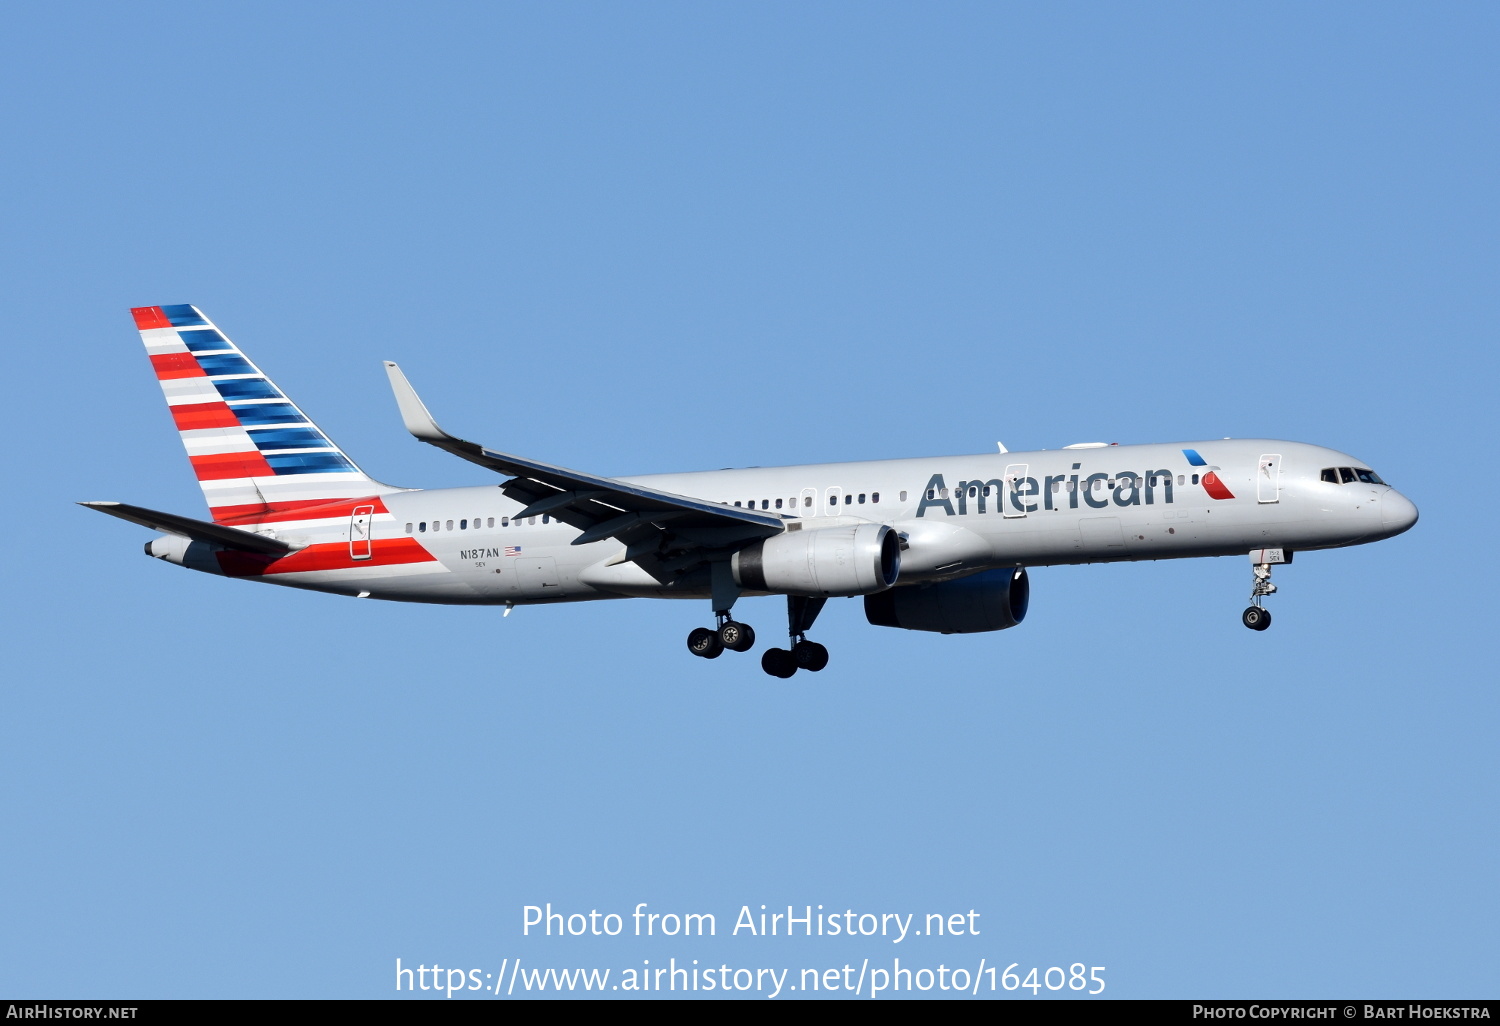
column 413, row 411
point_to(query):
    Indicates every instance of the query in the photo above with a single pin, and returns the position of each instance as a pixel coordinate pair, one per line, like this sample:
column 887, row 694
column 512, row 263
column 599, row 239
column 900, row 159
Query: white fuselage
column 956, row 515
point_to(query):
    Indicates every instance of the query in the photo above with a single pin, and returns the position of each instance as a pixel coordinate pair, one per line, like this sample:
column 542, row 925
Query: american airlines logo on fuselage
column 1123, row 488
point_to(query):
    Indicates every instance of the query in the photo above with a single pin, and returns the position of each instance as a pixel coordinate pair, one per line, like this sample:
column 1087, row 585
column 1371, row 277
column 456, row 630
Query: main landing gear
column 1256, row 616
column 803, row 654
column 730, row 634
column 710, row 643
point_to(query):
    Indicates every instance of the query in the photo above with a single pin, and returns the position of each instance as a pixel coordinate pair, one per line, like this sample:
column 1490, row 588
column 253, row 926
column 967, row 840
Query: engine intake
column 855, row 560
column 988, row 601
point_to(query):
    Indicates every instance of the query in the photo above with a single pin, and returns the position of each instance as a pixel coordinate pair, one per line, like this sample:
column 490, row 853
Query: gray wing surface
column 599, row 507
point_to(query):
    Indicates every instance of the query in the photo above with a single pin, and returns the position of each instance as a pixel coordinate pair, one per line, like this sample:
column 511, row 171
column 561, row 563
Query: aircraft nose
column 1397, row 512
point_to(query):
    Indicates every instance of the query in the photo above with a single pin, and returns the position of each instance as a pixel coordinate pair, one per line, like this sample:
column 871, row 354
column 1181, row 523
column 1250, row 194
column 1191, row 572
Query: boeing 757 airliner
column 940, row 544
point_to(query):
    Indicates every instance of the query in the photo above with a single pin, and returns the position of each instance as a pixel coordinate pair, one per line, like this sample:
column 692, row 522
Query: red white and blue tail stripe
column 257, row 456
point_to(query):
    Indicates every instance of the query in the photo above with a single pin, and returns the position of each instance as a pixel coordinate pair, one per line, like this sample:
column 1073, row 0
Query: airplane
column 938, row 544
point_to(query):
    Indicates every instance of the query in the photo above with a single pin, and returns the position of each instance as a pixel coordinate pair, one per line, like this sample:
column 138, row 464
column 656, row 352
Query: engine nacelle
column 989, row 601
column 854, row 560
column 174, row 548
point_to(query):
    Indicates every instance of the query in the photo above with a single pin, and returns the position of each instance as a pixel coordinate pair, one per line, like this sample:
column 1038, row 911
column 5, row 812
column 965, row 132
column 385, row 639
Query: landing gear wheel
column 810, row 655
column 1256, row 618
column 778, row 662
column 736, row 636
column 706, row 643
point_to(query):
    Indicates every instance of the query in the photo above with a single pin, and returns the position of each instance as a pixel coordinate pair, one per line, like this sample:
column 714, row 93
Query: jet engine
column 174, row 548
column 855, row 560
column 989, row 601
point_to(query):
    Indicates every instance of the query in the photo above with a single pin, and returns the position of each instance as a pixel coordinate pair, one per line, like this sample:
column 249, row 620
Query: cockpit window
column 1348, row 475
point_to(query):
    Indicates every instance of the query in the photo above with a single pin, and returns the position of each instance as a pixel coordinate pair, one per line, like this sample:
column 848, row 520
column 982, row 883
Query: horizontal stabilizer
column 198, row 530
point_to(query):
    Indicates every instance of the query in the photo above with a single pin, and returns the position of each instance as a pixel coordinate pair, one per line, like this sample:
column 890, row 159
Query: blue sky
column 654, row 237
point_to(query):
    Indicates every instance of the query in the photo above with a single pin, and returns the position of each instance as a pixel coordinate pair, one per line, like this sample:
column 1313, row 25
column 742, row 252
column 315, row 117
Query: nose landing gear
column 1256, row 616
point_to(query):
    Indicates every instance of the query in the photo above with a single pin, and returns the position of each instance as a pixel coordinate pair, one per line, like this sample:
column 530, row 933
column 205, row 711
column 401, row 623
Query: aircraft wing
column 198, row 530
column 600, row 507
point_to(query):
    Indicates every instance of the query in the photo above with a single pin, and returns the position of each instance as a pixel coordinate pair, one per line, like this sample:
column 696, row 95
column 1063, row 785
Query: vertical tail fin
column 257, row 456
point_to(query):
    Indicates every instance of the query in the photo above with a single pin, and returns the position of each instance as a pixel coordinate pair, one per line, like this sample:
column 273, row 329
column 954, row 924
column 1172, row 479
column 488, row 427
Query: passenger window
column 408, row 528
column 422, row 527
column 1195, row 479
column 778, row 503
column 546, row 518
column 531, row 521
column 1056, row 487
column 1347, row 474
column 861, row 498
column 737, row 502
column 874, row 496
column 463, row 525
column 1179, row 479
column 492, row 522
column 930, row 494
column 903, row 497
column 848, row 499
column 1331, row 475
column 765, row 503
column 807, row 500
column 833, row 500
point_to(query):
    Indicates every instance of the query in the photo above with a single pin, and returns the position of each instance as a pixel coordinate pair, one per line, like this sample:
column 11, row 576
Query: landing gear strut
column 803, row 654
column 710, row 643
column 1256, row 616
